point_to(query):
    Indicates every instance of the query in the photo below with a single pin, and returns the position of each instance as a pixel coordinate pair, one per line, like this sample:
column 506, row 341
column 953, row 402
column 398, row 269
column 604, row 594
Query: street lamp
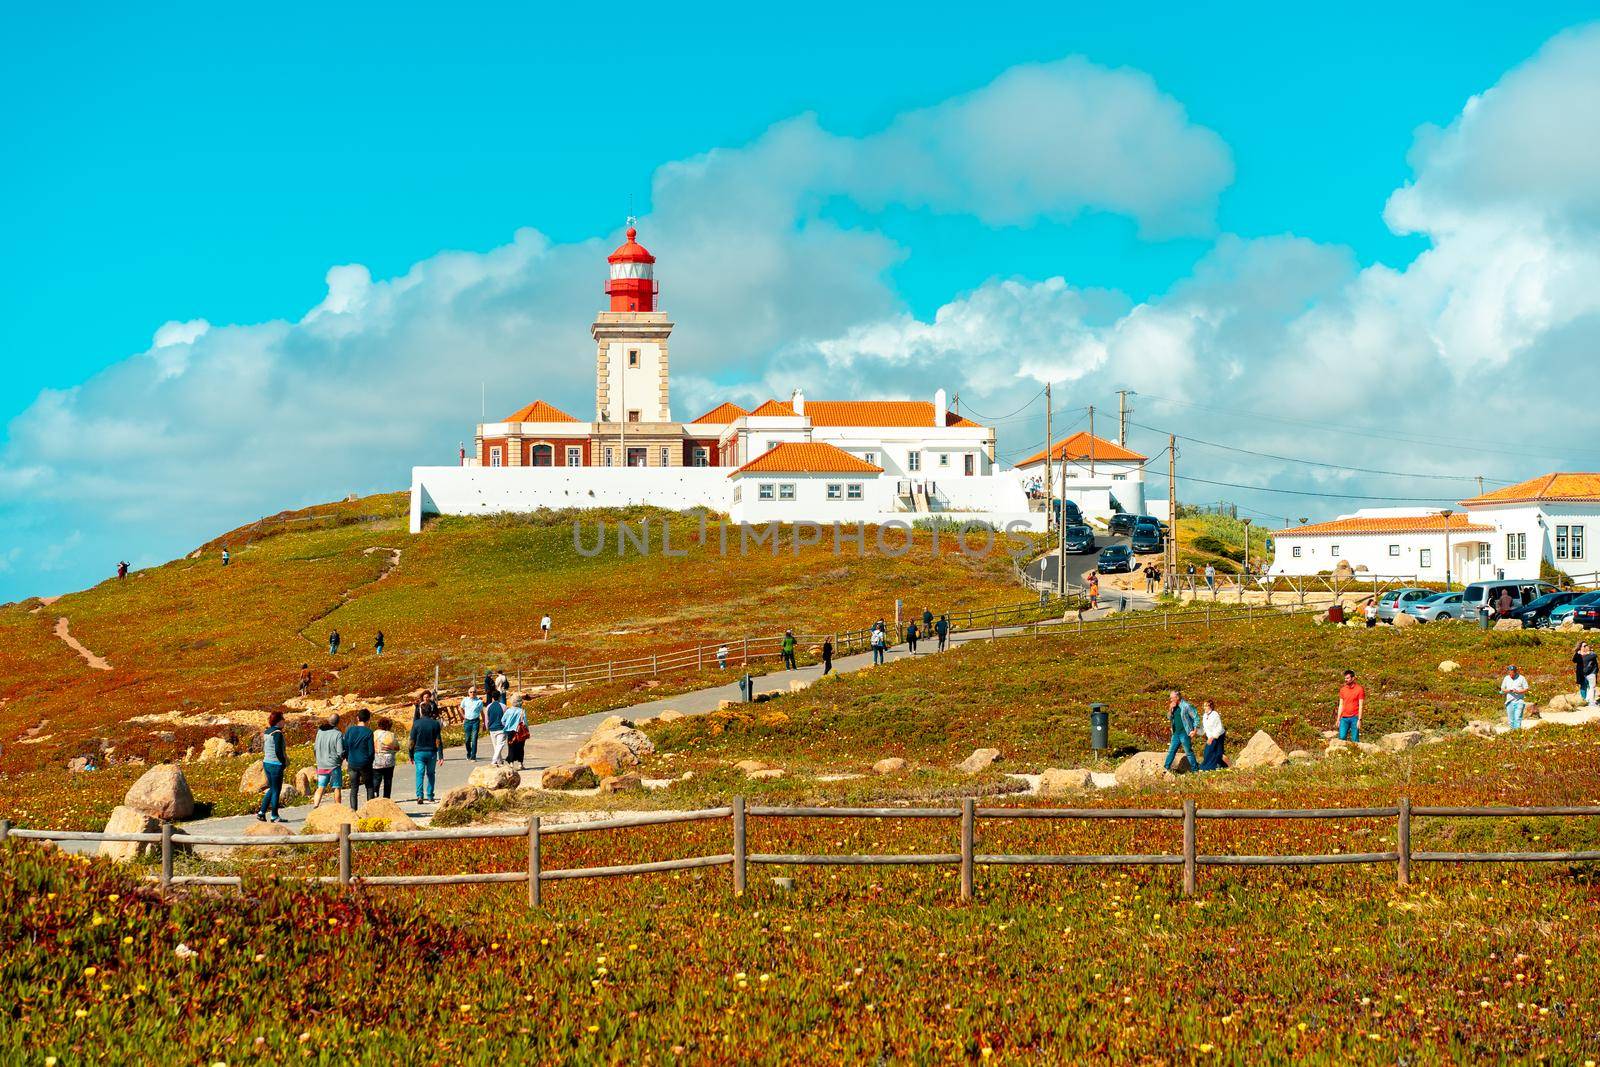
column 1246, row 545
column 1447, row 512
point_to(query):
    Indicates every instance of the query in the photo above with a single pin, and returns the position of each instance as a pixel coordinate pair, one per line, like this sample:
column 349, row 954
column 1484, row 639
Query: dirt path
column 344, row 597
column 97, row 662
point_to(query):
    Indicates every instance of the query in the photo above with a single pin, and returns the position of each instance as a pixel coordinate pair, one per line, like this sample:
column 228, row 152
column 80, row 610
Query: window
column 853, row 491
column 1295, row 551
column 786, row 491
column 610, row 457
column 1569, row 542
column 574, row 455
column 1561, row 542
column 835, row 491
column 969, row 464
column 913, row 461
column 542, row 456
column 633, row 415
column 870, row 457
column 700, row 457
column 766, row 491
column 771, row 445
column 944, row 459
column 1425, row 557
column 666, row 456
column 1119, row 477
column 633, row 357
column 496, row 457
column 738, row 493
column 1516, row 546
column 638, row 456
column 1484, row 553
column 1394, row 550
column 1577, row 542
column 1333, row 550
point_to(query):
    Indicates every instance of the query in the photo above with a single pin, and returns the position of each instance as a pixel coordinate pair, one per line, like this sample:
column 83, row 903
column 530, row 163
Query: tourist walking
column 1191, row 577
column 1586, row 666
column 516, row 733
column 426, row 741
column 1149, row 580
column 274, row 761
column 722, row 657
column 927, row 620
column 1184, row 723
column 328, row 747
column 358, row 753
column 225, row 557
column 333, row 643
column 384, row 747
column 827, row 656
column 305, row 679
column 471, row 720
column 544, row 624
column 1216, row 737
column 1211, row 579
column 878, row 640
column 942, row 629
column 911, row 638
column 1352, row 704
column 1514, row 687
column 502, row 685
column 1094, row 590
column 491, row 692
column 788, row 650
column 494, row 720
column 377, row 643
column 122, row 569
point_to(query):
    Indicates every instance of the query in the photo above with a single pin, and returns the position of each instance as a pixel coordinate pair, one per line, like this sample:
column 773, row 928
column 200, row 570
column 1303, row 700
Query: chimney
column 797, row 400
column 941, row 408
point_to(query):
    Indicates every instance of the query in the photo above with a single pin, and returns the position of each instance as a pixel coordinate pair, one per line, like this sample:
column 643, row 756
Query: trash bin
column 1099, row 727
column 1484, row 622
column 1336, row 613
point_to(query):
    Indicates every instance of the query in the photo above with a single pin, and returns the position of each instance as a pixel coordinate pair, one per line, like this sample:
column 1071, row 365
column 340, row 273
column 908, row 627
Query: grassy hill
column 1220, row 540
column 194, row 636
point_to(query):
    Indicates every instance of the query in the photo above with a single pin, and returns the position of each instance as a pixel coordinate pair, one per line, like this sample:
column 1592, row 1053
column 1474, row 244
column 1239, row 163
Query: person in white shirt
column 1514, row 686
column 471, row 720
column 544, row 624
column 1371, row 612
column 722, row 657
column 1216, row 738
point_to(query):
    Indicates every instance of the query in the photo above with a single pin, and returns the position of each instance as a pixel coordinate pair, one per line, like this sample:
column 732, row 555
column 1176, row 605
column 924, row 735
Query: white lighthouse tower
column 631, row 339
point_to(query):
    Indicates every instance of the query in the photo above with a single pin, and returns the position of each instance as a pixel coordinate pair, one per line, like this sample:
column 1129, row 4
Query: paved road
column 557, row 742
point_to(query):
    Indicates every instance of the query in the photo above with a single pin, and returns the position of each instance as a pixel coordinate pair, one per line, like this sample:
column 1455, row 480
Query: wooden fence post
column 969, row 817
column 535, row 897
column 746, row 651
column 345, row 857
column 1403, row 845
column 654, row 660
column 563, row 676
column 166, row 855
column 738, row 846
column 1188, row 847
column 5, row 831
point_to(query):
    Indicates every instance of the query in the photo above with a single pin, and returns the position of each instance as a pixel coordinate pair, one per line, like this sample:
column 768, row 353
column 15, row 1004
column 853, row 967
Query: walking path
column 93, row 660
column 550, row 743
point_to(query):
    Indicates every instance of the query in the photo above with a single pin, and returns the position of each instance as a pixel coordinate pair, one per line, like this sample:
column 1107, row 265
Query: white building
column 1509, row 532
column 1100, row 476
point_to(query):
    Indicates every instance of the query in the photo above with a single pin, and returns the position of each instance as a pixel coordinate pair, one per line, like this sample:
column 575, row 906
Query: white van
column 1480, row 597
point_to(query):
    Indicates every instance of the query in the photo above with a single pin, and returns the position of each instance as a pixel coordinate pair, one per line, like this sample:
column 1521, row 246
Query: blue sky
column 213, row 163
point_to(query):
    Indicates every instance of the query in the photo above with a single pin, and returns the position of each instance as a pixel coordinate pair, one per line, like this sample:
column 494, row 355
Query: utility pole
column 1091, row 440
column 1480, row 485
column 1170, row 554
column 1049, row 484
column 1122, row 416
column 1061, row 547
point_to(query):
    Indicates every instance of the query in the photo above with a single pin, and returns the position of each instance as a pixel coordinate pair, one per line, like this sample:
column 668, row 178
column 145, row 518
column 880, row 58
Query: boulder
column 1260, row 751
column 1449, row 666
column 461, row 796
column 326, row 817
column 254, row 779
column 980, row 760
column 1565, row 702
column 1142, row 767
column 622, row 783
column 1400, row 741
column 269, row 829
column 1479, row 728
column 1337, row 747
column 752, row 767
column 1056, row 782
column 495, row 777
column 1301, row 755
column 568, row 776
column 305, row 781
column 890, row 765
column 162, row 793
column 78, row 764
column 766, row 774
column 613, row 722
column 216, row 748
column 126, row 820
column 1402, row 620
column 1508, row 624
column 797, row 684
column 670, row 715
column 607, row 757
column 382, row 810
column 1368, row 748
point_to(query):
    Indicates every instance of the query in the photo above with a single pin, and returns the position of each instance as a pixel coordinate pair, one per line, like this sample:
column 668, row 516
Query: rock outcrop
column 487, row 777
column 1260, row 751
column 126, row 820
column 980, row 760
column 889, row 765
column 161, row 793
column 568, row 776
column 1055, row 782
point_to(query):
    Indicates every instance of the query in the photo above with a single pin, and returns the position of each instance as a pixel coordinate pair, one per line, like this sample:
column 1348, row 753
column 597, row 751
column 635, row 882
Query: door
column 543, row 456
column 637, row 457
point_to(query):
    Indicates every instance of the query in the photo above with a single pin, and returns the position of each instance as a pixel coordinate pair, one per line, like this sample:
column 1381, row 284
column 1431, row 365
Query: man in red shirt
column 1352, row 702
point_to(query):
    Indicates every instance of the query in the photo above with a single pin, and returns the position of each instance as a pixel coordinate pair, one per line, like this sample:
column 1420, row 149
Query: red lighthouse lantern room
column 632, row 285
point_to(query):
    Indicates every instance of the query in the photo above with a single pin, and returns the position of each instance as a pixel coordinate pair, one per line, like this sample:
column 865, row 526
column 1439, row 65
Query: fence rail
column 738, row 858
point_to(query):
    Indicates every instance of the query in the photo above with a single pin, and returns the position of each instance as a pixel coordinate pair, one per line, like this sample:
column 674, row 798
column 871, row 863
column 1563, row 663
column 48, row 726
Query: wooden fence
column 739, row 859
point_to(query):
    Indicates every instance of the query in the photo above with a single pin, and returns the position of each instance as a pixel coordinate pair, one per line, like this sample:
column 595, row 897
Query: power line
column 1000, row 418
column 1328, row 496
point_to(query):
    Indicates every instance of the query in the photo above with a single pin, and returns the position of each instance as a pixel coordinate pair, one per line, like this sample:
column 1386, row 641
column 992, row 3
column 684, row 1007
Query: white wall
column 496, row 490
column 996, row 493
column 640, row 386
column 811, row 503
column 1368, row 551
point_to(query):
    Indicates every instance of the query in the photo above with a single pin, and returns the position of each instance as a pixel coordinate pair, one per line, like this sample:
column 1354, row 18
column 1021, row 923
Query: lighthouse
column 631, row 395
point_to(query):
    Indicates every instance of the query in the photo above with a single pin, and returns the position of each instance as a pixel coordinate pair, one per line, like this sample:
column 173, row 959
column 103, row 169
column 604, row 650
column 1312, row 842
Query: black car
column 1078, row 539
column 1122, row 522
column 1537, row 612
column 1067, row 511
column 1146, row 538
column 1114, row 558
column 1587, row 615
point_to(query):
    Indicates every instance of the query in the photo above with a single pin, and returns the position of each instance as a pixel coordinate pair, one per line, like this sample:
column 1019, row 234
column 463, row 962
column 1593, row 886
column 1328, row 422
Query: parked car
column 1435, row 607
column 1587, row 615
column 1480, row 597
column 1564, row 612
column 1078, row 539
column 1122, row 523
column 1115, row 558
column 1537, row 611
column 1395, row 600
column 1067, row 511
column 1146, row 538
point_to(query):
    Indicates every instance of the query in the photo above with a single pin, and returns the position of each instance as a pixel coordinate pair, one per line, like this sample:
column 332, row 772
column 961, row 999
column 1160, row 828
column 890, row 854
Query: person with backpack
column 471, row 721
column 494, row 720
column 274, row 762
column 427, row 740
column 788, row 650
column 878, row 642
column 911, row 638
column 515, row 724
column 384, row 747
column 358, row 754
column 942, row 630
column 225, row 557
column 328, row 746
column 827, row 656
column 1184, row 723
column 927, row 620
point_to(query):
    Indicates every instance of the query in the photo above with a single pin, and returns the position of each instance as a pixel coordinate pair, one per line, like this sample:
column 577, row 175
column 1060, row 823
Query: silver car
column 1436, row 607
column 1396, row 600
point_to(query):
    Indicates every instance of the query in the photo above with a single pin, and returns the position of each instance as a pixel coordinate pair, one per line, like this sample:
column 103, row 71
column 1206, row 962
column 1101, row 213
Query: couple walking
column 507, row 728
column 1186, row 722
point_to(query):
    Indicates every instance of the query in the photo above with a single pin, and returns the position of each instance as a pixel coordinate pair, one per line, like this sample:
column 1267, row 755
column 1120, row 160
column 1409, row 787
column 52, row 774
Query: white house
column 1508, row 533
column 1100, row 476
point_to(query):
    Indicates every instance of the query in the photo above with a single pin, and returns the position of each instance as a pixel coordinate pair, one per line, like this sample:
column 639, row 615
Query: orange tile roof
column 1557, row 486
column 878, row 413
column 1077, row 447
column 1383, row 524
column 539, row 411
column 722, row 414
column 775, row 407
column 807, row 457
